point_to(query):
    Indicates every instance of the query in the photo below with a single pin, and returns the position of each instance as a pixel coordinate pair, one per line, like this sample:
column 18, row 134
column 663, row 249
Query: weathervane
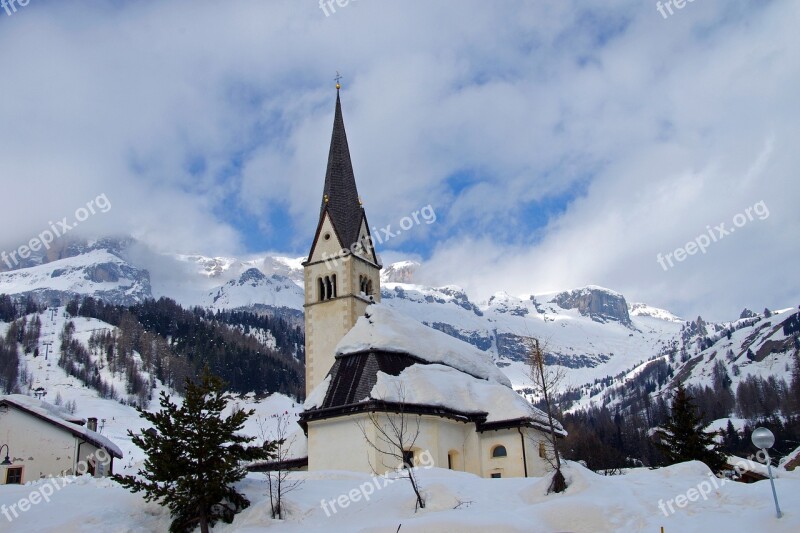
column 338, row 78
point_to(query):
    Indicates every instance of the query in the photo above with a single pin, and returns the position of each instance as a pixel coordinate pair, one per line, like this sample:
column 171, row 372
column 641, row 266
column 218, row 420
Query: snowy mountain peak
column 502, row 302
column 640, row 309
column 97, row 273
column 399, row 272
column 253, row 288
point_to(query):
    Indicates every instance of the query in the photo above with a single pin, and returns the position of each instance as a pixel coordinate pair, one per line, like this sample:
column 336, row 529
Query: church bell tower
column 342, row 271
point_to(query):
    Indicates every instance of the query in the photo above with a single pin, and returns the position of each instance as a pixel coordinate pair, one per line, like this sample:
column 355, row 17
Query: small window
column 408, row 459
column 14, row 476
column 497, row 475
column 542, row 450
column 499, row 451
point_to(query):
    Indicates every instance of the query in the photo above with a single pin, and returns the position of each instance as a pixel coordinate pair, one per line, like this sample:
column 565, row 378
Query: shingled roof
column 343, row 203
column 354, row 376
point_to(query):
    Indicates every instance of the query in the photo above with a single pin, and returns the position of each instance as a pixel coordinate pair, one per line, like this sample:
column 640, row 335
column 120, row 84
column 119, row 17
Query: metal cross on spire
column 338, row 78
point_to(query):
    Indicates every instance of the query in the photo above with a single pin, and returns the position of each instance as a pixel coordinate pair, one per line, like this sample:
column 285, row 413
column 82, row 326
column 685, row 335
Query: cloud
column 561, row 143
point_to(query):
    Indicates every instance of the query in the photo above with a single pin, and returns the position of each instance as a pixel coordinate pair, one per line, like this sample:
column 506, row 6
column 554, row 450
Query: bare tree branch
column 546, row 382
column 396, row 434
column 279, row 483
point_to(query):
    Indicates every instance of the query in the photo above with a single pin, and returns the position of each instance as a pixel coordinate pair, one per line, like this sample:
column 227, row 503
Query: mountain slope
column 591, row 331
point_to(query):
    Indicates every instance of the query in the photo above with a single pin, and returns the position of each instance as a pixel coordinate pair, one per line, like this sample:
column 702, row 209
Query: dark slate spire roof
column 340, row 185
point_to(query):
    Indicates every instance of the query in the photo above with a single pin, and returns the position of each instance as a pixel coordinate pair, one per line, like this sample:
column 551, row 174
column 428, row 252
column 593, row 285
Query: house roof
column 49, row 413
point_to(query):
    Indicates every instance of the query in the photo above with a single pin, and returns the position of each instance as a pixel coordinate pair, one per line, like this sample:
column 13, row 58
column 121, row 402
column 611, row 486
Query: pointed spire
column 340, row 195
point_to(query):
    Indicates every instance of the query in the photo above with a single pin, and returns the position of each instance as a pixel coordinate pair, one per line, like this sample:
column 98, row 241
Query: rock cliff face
column 600, row 304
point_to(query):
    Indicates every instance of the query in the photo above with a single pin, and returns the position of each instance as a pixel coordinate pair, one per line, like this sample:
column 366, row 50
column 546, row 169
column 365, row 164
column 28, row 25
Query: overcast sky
column 560, row 143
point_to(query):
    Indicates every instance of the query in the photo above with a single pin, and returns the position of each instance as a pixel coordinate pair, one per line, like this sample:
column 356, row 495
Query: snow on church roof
column 444, row 386
column 387, row 330
column 393, row 358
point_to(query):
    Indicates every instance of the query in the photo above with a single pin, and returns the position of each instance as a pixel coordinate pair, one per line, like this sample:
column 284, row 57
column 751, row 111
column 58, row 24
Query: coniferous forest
column 162, row 340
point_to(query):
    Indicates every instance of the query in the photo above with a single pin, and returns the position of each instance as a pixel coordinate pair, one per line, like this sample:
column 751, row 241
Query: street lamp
column 763, row 439
column 6, row 461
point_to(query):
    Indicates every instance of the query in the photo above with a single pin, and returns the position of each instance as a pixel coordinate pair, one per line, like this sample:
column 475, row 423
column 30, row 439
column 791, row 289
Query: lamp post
column 763, row 439
column 6, row 461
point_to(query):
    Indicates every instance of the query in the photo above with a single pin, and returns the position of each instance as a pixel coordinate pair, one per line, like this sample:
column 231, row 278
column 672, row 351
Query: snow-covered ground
column 115, row 418
column 456, row 502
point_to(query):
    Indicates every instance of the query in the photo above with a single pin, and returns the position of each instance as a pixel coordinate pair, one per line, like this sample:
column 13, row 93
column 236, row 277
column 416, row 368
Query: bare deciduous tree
column 279, row 481
column 546, row 382
column 396, row 433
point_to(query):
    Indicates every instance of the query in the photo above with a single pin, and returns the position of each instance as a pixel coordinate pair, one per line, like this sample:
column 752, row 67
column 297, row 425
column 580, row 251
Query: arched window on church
column 321, row 288
column 328, row 288
column 499, row 451
column 452, row 460
column 369, row 287
column 333, row 283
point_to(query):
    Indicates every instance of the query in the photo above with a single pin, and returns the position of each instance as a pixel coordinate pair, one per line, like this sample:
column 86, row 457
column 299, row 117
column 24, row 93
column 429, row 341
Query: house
column 40, row 440
column 747, row 470
column 791, row 461
column 369, row 367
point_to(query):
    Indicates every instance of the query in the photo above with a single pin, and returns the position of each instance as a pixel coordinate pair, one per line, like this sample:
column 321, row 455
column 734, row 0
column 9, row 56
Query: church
column 371, row 371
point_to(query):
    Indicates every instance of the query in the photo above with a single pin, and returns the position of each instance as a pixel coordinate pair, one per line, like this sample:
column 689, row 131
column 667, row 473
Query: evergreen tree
column 795, row 386
column 194, row 456
column 732, row 439
column 683, row 436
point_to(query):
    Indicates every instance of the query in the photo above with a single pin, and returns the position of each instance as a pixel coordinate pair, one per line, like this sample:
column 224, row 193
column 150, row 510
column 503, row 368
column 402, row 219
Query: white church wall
column 537, row 466
column 337, row 444
column 509, row 466
column 326, row 248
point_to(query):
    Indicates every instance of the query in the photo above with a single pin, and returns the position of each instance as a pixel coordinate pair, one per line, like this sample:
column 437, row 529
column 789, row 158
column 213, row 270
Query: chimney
column 91, row 423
